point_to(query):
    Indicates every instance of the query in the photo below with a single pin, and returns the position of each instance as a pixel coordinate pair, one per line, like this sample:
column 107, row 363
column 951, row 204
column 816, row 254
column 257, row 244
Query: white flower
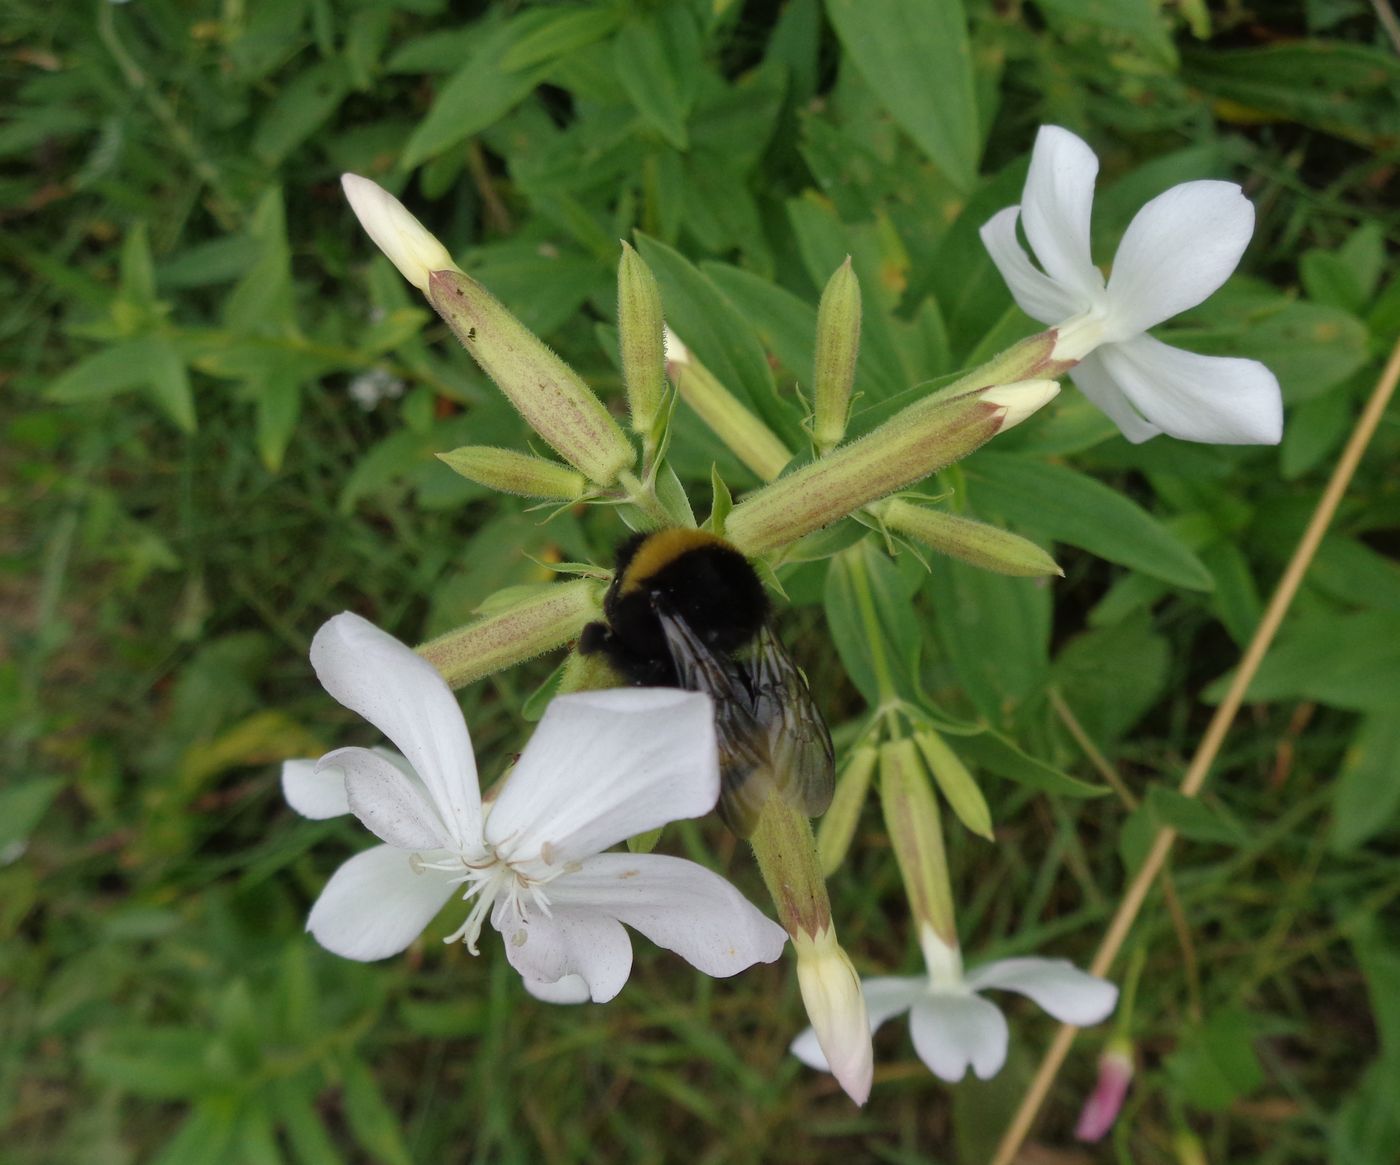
column 601, row 767
column 952, row 1026
column 1178, row 250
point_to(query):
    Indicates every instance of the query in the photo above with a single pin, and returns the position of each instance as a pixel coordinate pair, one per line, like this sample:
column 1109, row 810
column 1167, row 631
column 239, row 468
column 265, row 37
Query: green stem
column 643, row 495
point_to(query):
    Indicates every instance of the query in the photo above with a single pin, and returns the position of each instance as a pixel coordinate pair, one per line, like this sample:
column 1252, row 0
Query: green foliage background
column 190, row 489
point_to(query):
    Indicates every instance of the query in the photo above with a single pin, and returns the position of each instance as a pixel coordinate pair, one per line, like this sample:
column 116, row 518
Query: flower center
column 502, row 891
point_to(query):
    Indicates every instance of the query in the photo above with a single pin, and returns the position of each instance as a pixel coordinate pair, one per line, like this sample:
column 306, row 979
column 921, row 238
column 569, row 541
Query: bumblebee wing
column 799, row 743
column 746, row 771
column 772, row 740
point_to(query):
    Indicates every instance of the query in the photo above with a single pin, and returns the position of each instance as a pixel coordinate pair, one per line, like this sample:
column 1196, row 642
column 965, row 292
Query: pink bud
column 1101, row 1109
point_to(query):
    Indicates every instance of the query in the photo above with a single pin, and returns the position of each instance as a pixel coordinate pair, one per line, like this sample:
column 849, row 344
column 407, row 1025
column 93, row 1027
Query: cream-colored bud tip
column 676, row 351
column 1021, row 398
column 403, row 239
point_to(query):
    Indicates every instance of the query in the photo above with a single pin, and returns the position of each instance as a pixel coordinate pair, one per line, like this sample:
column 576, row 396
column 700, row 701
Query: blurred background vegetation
column 220, row 414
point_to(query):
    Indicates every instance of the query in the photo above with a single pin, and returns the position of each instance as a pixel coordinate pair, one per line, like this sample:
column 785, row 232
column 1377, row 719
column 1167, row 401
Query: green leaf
column 206, row 1135
column 995, row 753
column 1111, row 676
column 657, row 57
column 481, row 91
column 263, row 303
column 1366, row 795
column 1348, row 661
column 1141, row 21
column 1191, row 817
column 995, row 632
column 278, row 405
column 557, row 33
column 300, row 109
column 1315, row 429
column 873, row 625
column 138, row 277
column 22, row 806
column 1236, row 599
column 1350, row 90
column 149, row 361
column 1310, row 347
column 308, row 1136
column 1214, row 1064
column 371, row 1120
column 1367, row 1128
column 1055, row 502
column 917, row 58
column 158, row 1063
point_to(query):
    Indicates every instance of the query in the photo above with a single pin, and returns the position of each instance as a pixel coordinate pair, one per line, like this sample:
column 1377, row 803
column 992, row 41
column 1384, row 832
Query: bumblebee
column 687, row 610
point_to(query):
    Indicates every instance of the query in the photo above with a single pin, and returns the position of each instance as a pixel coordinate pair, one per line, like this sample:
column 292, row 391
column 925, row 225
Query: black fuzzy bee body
column 687, row 610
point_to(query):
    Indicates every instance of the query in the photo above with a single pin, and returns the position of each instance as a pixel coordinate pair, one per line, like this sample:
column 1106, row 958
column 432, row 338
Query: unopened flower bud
column 402, row 238
column 507, row 471
column 835, row 1004
column 957, row 784
column 976, row 543
column 546, row 620
column 640, row 340
column 839, row 822
column 550, row 395
column 912, row 444
column 837, row 345
column 1105, row 1102
column 747, row 437
column 916, row 835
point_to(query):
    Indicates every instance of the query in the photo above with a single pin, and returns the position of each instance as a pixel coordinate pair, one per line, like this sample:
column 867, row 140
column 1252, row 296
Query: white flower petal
column 1055, row 209
column 885, row 997
column 388, row 802
column 952, row 1031
column 376, row 904
column 678, row 905
column 1094, row 381
column 1057, row 985
column 569, row 989
column 1035, row 293
column 1224, row 400
column 312, row 793
column 571, row 941
column 604, row 766
column 807, row 1048
column 1177, row 250
column 373, row 674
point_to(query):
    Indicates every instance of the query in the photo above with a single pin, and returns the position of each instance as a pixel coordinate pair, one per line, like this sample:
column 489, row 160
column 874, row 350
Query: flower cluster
column 531, row 857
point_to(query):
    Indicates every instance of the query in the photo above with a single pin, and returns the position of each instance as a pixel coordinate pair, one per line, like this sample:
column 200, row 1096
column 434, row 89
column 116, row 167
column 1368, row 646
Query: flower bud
column 975, row 543
column 507, row 471
column 839, row 822
column 640, row 330
column 747, row 437
column 549, row 394
column 406, row 242
column 836, row 1006
column 912, row 444
column 834, row 368
column 912, row 822
column 957, row 784
column 546, row 620
column 1105, row 1102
